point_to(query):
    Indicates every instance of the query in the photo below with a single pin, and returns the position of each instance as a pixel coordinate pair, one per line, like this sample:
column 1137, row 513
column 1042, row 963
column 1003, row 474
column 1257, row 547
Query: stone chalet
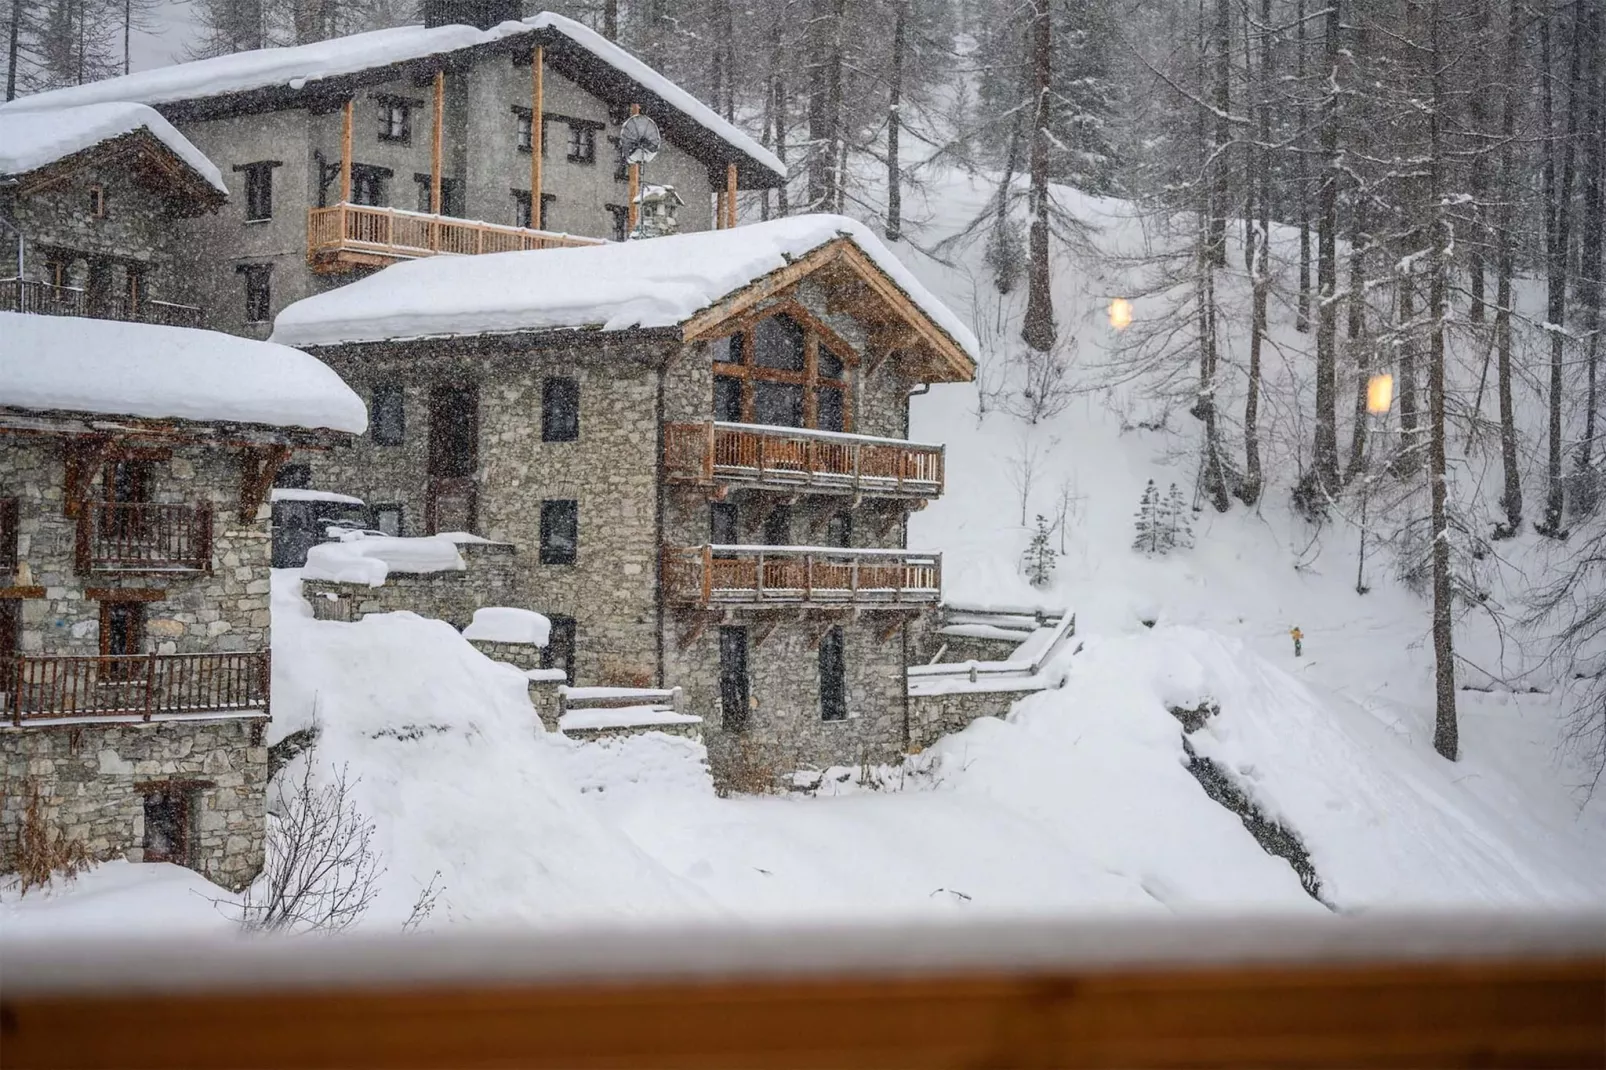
column 135, row 461
column 345, row 155
column 697, row 445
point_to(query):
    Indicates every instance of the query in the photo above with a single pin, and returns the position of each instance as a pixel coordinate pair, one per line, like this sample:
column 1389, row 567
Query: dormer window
column 97, row 202
column 785, row 370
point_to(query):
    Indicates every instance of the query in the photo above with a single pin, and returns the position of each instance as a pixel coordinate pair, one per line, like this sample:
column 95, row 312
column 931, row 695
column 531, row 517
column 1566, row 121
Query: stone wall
column 225, row 610
column 932, row 716
column 90, row 779
column 684, row 729
column 490, row 580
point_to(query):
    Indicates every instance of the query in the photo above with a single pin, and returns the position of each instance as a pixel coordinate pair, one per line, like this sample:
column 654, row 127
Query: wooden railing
column 391, row 232
column 118, row 537
column 793, row 457
column 140, row 685
column 751, row 575
column 43, row 298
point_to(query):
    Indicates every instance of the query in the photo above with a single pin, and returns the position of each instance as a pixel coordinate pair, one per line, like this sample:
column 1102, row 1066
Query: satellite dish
column 639, row 139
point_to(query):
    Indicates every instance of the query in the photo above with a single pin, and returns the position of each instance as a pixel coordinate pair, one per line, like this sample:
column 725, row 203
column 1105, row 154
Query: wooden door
column 452, row 499
column 167, row 826
column 733, row 680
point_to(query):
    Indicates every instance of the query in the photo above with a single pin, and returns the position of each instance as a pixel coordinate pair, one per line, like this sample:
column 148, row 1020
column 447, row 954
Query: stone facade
column 932, row 716
column 489, row 580
column 93, row 780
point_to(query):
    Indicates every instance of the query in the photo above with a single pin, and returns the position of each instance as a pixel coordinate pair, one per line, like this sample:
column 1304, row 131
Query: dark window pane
column 830, row 416
column 778, row 343
column 727, row 399
column 387, row 415
column 839, row 531
column 830, row 364
column 778, row 404
column 560, row 410
column 560, row 531
column 559, row 650
column 728, row 350
column 722, row 524
column 733, row 682
column 778, row 527
column 167, row 826
column 833, row 677
column 293, row 475
column 388, row 518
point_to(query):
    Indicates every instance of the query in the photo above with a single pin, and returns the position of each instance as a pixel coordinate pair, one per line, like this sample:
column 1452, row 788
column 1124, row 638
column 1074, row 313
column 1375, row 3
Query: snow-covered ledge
column 448, row 577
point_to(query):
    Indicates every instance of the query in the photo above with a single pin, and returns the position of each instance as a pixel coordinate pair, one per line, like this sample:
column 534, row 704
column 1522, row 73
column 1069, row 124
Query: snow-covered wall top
column 139, row 369
column 294, row 67
column 655, row 282
column 30, row 140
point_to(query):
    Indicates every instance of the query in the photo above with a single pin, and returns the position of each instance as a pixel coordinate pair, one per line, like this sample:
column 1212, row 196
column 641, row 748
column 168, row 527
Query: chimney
column 482, row 14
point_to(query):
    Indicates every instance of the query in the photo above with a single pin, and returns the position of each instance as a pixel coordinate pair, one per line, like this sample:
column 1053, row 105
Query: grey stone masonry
column 489, row 580
column 932, row 716
column 93, row 779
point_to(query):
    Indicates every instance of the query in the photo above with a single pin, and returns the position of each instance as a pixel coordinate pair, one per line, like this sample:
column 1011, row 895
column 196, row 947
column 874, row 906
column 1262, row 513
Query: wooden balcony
column 117, row 537
column 138, row 686
column 45, row 299
column 794, row 459
column 799, row 575
column 349, row 236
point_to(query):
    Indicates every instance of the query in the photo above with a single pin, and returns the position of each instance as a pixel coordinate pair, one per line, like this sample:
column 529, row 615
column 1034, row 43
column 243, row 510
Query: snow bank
column 504, row 624
column 115, row 900
column 369, row 559
column 624, row 717
column 139, row 369
column 302, row 494
column 30, row 140
column 660, row 282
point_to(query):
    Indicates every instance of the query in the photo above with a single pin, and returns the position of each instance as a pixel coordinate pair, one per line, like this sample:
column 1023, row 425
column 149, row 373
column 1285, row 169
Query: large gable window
column 784, row 370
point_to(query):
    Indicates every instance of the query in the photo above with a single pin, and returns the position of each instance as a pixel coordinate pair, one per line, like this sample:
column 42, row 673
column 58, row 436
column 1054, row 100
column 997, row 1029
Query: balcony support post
column 537, row 133
column 730, row 196
column 345, row 154
column 436, row 148
column 633, row 191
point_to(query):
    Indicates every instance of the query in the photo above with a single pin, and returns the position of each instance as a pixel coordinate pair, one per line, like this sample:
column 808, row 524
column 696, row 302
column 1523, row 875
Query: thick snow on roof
column 138, row 369
column 30, row 140
column 656, row 282
column 294, row 66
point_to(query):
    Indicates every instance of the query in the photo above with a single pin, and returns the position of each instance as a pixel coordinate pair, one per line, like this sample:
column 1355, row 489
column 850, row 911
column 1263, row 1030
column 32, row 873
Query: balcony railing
column 791, row 458
column 118, row 537
column 394, row 234
column 46, row 299
column 765, row 575
column 141, row 685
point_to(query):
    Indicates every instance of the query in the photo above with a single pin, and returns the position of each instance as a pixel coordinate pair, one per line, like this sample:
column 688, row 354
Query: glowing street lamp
column 1120, row 313
column 1379, row 398
column 1380, row 393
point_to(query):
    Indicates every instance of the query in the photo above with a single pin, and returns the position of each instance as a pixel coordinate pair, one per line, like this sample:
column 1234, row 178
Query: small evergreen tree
column 1038, row 561
column 1178, row 521
column 1150, row 533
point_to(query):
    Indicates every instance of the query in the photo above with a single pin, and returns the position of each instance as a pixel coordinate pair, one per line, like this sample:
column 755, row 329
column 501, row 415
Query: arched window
column 784, row 371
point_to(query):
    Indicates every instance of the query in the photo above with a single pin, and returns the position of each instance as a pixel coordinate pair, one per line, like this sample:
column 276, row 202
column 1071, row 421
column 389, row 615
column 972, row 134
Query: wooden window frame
column 258, row 284
column 388, row 105
column 258, row 189
column 136, row 606
column 749, row 371
column 620, row 214
column 551, row 388
column 371, row 179
column 521, row 203
column 388, row 507
column 400, row 393
column 426, row 191
column 551, row 509
column 97, row 201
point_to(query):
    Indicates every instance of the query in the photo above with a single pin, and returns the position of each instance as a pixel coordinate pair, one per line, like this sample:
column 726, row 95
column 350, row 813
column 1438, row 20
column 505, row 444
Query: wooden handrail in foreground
column 1110, row 992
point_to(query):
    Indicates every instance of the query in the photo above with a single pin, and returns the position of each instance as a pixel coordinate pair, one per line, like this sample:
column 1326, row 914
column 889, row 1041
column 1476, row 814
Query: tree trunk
column 838, row 140
column 13, row 48
column 1593, row 44
column 1410, row 453
column 1223, row 133
column 1325, row 447
column 821, row 111
column 1253, row 480
column 1302, row 173
column 1355, row 335
column 894, row 121
column 1558, row 211
column 1445, row 729
column 1511, row 495
column 610, row 19
column 1039, row 331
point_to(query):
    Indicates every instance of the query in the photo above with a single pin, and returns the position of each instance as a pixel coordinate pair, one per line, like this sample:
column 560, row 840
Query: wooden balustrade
column 143, row 537
column 46, row 299
column 140, row 685
column 350, row 234
column 754, row 575
column 790, row 458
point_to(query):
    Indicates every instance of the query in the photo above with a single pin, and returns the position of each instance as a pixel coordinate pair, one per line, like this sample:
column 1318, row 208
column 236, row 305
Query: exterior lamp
column 1379, row 394
column 1379, row 398
column 1120, row 313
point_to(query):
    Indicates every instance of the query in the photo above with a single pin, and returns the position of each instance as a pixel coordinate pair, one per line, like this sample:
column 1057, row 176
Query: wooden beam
column 537, row 131
column 730, row 196
column 711, row 319
column 84, row 459
column 258, row 467
column 632, row 213
column 345, row 151
column 824, row 623
column 698, row 622
column 125, row 594
column 437, row 147
column 957, row 359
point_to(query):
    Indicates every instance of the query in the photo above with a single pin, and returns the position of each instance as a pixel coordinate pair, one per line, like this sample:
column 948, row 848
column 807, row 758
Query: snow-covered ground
column 1080, row 802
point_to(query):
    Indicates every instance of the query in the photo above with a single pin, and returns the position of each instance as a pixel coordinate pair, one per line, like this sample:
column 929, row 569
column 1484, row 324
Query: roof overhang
column 153, row 164
column 222, row 434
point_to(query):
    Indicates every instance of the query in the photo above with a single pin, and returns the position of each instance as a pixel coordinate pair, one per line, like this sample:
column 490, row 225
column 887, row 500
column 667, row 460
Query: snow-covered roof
column 306, row 494
column 657, row 282
column 139, row 369
column 370, row 559
column 509, row 624
column 296, row 66
column 31, row 140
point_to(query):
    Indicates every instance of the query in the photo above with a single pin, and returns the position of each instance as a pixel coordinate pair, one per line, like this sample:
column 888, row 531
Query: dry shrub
column 753, row 767
column 42, row 852
column 618, row 673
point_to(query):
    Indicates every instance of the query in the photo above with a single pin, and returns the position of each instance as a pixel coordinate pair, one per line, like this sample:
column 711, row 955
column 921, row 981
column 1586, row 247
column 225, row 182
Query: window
column 784, row 371
column 56, row 271
column 621, row 220
column 521, row 208
column 167, row 825
column 10, row 531
column 733, row 682
column 293, row 475
column 723, row 529
column 522, row 116
column 426, row 194
column 97, row 202
column 388, row 414
column 388, row 518
column 122, row 637
column 395, row 119
column 778, row 527
column 582, row 142
column 833, row 677
column 559, row 650
column 560, row 531
column 368, row 184
column 839, row 529
column 560, row 409
column 258, row 189
column 621, row 166
column 258, row 292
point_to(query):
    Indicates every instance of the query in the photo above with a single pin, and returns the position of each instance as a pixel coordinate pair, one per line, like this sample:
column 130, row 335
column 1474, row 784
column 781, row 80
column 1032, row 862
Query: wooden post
column 730, row 195
column 345, row 154
column 537, row 133
column 436, row 147
column 634, row 190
